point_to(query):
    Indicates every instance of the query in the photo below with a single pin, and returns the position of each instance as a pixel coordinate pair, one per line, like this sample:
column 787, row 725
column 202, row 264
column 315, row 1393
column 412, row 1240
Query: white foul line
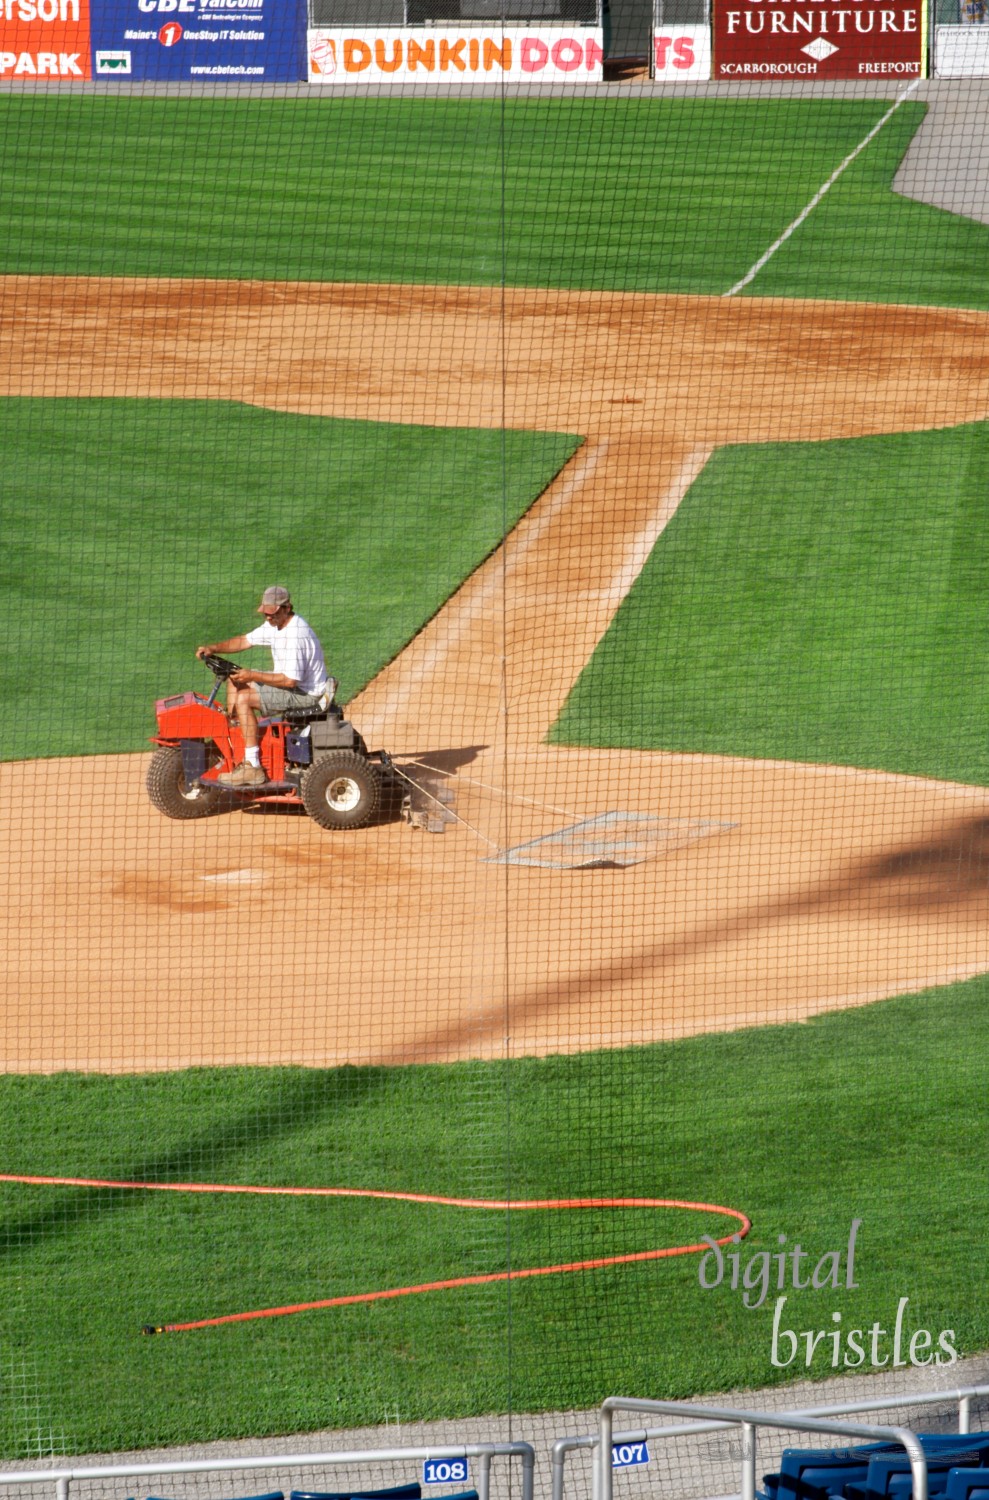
column 470, row 607
column 640, row 548
column 750, row 275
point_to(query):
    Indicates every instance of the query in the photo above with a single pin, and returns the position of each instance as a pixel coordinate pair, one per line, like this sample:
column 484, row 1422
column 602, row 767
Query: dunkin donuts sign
column 446, row 55
column 819, row 38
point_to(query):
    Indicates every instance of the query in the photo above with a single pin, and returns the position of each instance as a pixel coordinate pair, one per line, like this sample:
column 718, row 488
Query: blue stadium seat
column 885, row 1471
column 813, row 1473
column 271, row 1495
column 411, row 1491
column 901, row 1485
column 831, row 1479
column 967, row 1484
column 832, row 1467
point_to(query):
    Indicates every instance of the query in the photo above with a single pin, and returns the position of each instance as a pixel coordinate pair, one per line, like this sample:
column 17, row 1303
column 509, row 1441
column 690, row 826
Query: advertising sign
column 681, row 52
column 44, row 39
column 961, row 51
column 436, row 54
column 819, row 38
column 260, row 39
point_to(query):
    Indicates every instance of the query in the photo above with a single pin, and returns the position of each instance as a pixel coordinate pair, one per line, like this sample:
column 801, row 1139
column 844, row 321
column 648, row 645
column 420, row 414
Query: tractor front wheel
column 171, row 793
column 342, row 790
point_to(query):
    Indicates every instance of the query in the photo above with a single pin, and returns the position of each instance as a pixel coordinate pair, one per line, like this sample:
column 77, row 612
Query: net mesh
column 553, row 965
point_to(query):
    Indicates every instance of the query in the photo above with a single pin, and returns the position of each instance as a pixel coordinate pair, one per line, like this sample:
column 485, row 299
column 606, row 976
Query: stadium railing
column 63, row 1479
column 731, row 1417
column 749, row 1422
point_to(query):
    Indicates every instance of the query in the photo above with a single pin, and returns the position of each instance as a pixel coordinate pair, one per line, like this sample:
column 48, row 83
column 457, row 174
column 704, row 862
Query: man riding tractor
column 299, row 678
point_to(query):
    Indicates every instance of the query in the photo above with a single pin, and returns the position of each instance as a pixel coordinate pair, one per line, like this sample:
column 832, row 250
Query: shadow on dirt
column 948, row 873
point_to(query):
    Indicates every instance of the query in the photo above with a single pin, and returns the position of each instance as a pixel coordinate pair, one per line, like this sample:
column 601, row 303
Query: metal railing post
column 748, row 1461
column 557, row 1460
column 62, row 1488
column 604, row 1454
column 528, row 1473
column 484, row 1477
column 965, row 1414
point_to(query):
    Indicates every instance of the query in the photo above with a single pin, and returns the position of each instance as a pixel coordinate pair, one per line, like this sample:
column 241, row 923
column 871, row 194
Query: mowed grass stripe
column 648, row 195
column 812, row 602
column 864, row 243
column 135, row 529
column 793, row 1124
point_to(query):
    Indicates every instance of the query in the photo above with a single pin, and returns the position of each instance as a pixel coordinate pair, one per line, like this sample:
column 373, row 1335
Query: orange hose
column 501, row 1205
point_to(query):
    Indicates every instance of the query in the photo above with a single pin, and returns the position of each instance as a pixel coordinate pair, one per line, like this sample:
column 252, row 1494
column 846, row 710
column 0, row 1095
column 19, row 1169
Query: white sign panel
column 628, row 1455
column 961, row 51
column 680, row 53
column 446, row 54
column 445, row 1471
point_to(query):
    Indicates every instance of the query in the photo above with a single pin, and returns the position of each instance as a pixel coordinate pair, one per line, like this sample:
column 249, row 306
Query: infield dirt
column 137, row 944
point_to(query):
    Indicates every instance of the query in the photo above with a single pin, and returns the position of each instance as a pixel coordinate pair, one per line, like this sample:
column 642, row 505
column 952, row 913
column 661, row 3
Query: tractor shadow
column 424, row 786
column 420, row 788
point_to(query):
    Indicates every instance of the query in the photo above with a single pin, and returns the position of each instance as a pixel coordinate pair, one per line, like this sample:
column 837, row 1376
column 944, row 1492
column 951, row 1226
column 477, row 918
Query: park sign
column 44, row 39
column 814, row 39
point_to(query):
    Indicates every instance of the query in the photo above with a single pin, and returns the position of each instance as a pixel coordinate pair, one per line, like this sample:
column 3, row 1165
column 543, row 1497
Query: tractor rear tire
column 171, row 793
column 341, row 790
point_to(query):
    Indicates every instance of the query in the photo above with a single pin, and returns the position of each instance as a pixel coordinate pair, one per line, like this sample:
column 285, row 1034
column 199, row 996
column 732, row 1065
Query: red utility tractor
column 313, row 758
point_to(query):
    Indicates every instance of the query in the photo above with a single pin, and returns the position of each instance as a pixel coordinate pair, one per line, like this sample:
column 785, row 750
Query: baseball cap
column 273, row 597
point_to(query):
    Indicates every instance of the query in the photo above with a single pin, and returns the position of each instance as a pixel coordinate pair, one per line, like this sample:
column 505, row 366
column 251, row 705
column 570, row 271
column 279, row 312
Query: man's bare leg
column 247, row 702
column 250, row 772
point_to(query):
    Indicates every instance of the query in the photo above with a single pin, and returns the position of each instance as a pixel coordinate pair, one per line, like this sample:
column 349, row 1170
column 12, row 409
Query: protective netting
column 553, row 964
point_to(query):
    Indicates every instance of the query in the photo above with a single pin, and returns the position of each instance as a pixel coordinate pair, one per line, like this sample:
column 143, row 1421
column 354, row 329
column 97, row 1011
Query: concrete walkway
column 678, row 1470
column 947, row 164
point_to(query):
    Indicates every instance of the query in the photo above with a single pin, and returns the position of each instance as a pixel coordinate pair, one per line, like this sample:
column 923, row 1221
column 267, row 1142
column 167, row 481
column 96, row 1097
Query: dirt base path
column 832, row 888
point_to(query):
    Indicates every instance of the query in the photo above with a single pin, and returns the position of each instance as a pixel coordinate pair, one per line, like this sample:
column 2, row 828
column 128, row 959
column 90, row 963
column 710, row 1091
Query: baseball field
column 583, row 537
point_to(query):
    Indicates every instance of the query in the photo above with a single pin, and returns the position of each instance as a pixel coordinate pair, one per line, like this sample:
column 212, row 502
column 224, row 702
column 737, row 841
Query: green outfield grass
column 804, row 1127
column 136, row 529
column 864, row 243
column 813, row 602
column 647, row 195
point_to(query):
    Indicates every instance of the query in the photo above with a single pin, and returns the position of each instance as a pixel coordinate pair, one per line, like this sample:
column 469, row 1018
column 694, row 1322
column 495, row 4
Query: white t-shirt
column 295, row 651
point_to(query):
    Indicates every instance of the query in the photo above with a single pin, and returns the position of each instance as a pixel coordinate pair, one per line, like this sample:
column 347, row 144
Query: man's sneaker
column 243, row 775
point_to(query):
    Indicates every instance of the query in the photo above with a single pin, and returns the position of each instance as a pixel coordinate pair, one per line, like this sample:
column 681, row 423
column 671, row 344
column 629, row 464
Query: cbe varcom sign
column 820, row 38
column 211, row 39
column 44, row 39
column 437, row 54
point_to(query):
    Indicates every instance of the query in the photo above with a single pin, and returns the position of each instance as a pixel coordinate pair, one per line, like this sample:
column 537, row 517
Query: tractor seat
column 299, row 716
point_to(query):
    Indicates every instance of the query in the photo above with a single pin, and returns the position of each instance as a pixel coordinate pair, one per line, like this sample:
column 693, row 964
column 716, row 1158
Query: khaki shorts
column 275, row 700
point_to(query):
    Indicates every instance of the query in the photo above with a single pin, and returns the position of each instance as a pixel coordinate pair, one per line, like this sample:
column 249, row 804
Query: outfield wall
column 286, row 41
column 330, row 43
